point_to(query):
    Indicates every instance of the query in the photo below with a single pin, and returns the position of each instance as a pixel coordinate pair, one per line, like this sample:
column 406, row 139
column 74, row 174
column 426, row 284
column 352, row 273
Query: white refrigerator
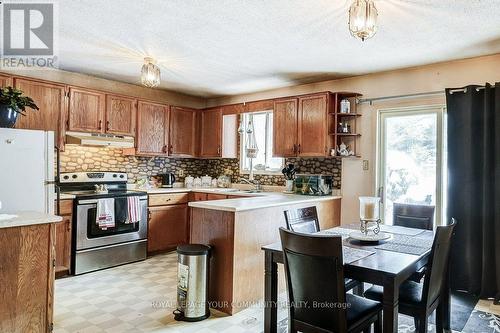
column 26, row 171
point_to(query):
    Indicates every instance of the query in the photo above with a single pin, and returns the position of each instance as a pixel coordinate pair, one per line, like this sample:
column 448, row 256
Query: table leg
column 270, row 294
column 390, row 304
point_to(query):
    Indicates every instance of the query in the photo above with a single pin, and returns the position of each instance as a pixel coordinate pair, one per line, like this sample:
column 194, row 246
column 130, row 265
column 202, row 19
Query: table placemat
column 351, row 254
column 344, row 232
column 403, row 248
column 407, row 244
column 395, row 229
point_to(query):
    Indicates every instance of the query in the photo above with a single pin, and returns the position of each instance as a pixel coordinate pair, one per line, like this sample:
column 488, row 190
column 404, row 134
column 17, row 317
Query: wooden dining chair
column 314, row 273
column 306, row 221
column 413, row 216
column 303, row 220
column 417, row 300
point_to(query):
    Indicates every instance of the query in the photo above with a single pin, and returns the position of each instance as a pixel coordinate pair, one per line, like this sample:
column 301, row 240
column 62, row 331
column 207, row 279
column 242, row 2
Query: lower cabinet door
column 63, row 246
column 167, row 228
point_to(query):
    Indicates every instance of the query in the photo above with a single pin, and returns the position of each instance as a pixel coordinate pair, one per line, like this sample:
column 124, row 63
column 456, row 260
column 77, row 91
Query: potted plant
column 13, row 103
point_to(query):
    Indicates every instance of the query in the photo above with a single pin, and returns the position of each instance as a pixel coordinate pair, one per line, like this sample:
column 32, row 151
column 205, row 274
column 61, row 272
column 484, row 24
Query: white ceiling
column 226, row 47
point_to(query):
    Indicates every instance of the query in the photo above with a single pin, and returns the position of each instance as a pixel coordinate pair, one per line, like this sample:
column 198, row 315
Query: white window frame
column 441, row 175
column 267, row 154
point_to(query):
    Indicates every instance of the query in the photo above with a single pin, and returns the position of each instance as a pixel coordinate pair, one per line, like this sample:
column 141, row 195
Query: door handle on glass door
column 380, row 194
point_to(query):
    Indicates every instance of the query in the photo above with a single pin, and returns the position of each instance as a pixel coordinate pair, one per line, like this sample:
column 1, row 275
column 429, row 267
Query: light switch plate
column 365, row 165
column 181, row 173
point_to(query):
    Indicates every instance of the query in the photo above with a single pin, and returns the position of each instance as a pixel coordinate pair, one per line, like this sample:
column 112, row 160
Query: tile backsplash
column 80, row 158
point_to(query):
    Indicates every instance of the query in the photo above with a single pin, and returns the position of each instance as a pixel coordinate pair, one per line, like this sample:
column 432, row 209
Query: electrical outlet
column 365, row 165
column 181, row 173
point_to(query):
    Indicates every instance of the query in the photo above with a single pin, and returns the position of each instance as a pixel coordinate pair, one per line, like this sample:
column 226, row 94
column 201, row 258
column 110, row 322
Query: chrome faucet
column 255, row 183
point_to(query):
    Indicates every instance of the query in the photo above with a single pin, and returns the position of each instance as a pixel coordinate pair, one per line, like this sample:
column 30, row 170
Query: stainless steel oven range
column 94, row 247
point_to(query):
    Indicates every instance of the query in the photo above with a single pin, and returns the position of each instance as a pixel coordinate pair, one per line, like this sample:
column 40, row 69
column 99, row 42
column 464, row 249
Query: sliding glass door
column 410, row 158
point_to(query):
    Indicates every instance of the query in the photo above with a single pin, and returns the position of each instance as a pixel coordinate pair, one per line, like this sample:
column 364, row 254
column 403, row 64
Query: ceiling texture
column 214, row 48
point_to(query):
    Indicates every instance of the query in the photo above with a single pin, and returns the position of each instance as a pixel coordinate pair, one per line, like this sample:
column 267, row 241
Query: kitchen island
column 27, row 271
column 237, row 229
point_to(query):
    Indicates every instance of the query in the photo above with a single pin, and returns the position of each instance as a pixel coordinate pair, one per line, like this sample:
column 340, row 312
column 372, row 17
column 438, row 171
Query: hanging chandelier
column 363, row 19
column 150, row 73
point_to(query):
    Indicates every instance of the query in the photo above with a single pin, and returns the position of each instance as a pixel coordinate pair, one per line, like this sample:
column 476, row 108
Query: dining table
column 386, row 265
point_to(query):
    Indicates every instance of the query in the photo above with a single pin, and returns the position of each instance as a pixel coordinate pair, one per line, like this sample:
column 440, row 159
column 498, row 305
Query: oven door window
column 121, row 217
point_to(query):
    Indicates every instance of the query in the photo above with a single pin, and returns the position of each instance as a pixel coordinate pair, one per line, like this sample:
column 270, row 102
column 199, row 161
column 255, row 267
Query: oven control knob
column 74, row 176
column 114, row 175
column 66, row 177
column 121, row 176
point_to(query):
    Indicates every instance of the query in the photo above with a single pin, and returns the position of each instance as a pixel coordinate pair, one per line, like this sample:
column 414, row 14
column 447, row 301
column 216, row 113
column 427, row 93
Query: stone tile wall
column 79, row 158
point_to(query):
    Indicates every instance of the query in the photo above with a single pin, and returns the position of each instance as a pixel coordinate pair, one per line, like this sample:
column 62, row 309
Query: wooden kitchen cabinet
column 120, row 115
column 198, row 196
column 152, row 128
column 312, row 134
column 285, row 127
column 216, row 196
column 50, row 98
column 167, row 228
column 86, row 110
column 27, row 278
column 182, row 132
column 63, row 239
column 300, row 126
column 5, row 80
column 211, row 133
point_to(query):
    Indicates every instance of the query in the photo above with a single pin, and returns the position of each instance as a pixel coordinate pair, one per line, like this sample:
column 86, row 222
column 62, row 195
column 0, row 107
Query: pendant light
column 363, row 19
column 150, row 73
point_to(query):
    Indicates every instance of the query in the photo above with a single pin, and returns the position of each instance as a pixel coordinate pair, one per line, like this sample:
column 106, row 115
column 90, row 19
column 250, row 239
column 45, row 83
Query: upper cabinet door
column 152, row 128
column 182, row 128
column 5, row 81
column 285, row 127
column 313, row 126
column 86, row 110
column 120, row 115
column 50, row 98
column 211, row 133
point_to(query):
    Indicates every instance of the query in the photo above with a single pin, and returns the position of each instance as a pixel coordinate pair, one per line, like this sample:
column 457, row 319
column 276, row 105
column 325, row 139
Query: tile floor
column 140, row 297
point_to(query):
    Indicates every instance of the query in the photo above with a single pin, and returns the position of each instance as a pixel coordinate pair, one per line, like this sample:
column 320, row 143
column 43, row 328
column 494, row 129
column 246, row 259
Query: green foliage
column 14, row 98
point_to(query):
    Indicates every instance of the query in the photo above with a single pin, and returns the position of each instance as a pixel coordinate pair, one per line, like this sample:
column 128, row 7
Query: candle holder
column 369, row 212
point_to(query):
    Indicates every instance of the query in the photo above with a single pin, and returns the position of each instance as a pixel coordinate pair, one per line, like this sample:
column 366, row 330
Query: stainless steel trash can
column 192, row 282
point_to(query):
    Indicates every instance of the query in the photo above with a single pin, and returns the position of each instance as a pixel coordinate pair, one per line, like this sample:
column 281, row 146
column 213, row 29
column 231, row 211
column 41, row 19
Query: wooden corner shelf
column 346, row 134
column 350, row 114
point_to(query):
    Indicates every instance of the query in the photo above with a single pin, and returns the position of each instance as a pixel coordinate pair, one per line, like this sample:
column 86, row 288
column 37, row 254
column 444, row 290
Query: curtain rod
column 430, row 93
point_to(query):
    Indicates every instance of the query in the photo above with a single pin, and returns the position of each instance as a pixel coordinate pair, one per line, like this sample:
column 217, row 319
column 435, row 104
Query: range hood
column 99, row 139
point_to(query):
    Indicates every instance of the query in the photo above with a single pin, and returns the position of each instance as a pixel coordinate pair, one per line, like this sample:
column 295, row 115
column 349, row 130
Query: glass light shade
column 369, row 208
column 363, row 19
column 150, row 73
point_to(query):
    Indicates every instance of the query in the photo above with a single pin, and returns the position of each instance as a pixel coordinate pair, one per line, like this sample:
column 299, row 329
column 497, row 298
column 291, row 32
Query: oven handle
column 94, row 201
column 113, row 245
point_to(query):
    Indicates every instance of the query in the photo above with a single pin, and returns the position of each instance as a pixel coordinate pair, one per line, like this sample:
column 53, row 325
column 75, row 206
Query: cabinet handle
column 218, row 150
column 298, row 148
column 164, row 150
column 107, row 125
column 149, row 215
column 100, row 125
column 294, row 148
column 170, row 149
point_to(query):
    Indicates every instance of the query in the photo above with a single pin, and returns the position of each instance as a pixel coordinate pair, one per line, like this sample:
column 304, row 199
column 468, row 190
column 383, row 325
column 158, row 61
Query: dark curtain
column 474, row 188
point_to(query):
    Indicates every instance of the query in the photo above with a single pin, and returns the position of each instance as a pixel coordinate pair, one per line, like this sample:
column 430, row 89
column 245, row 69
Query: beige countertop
column 263, row 200
column 27, row 218
column 226, row 191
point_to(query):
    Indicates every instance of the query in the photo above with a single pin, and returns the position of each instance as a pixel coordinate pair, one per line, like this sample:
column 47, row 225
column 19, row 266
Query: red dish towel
column 134, row 209
column 105, row 213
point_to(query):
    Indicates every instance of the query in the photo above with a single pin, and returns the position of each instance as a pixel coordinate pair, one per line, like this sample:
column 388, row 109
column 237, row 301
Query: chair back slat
column 302, row 220
column 413, row 216
column 438, row 263
column 314, row 299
